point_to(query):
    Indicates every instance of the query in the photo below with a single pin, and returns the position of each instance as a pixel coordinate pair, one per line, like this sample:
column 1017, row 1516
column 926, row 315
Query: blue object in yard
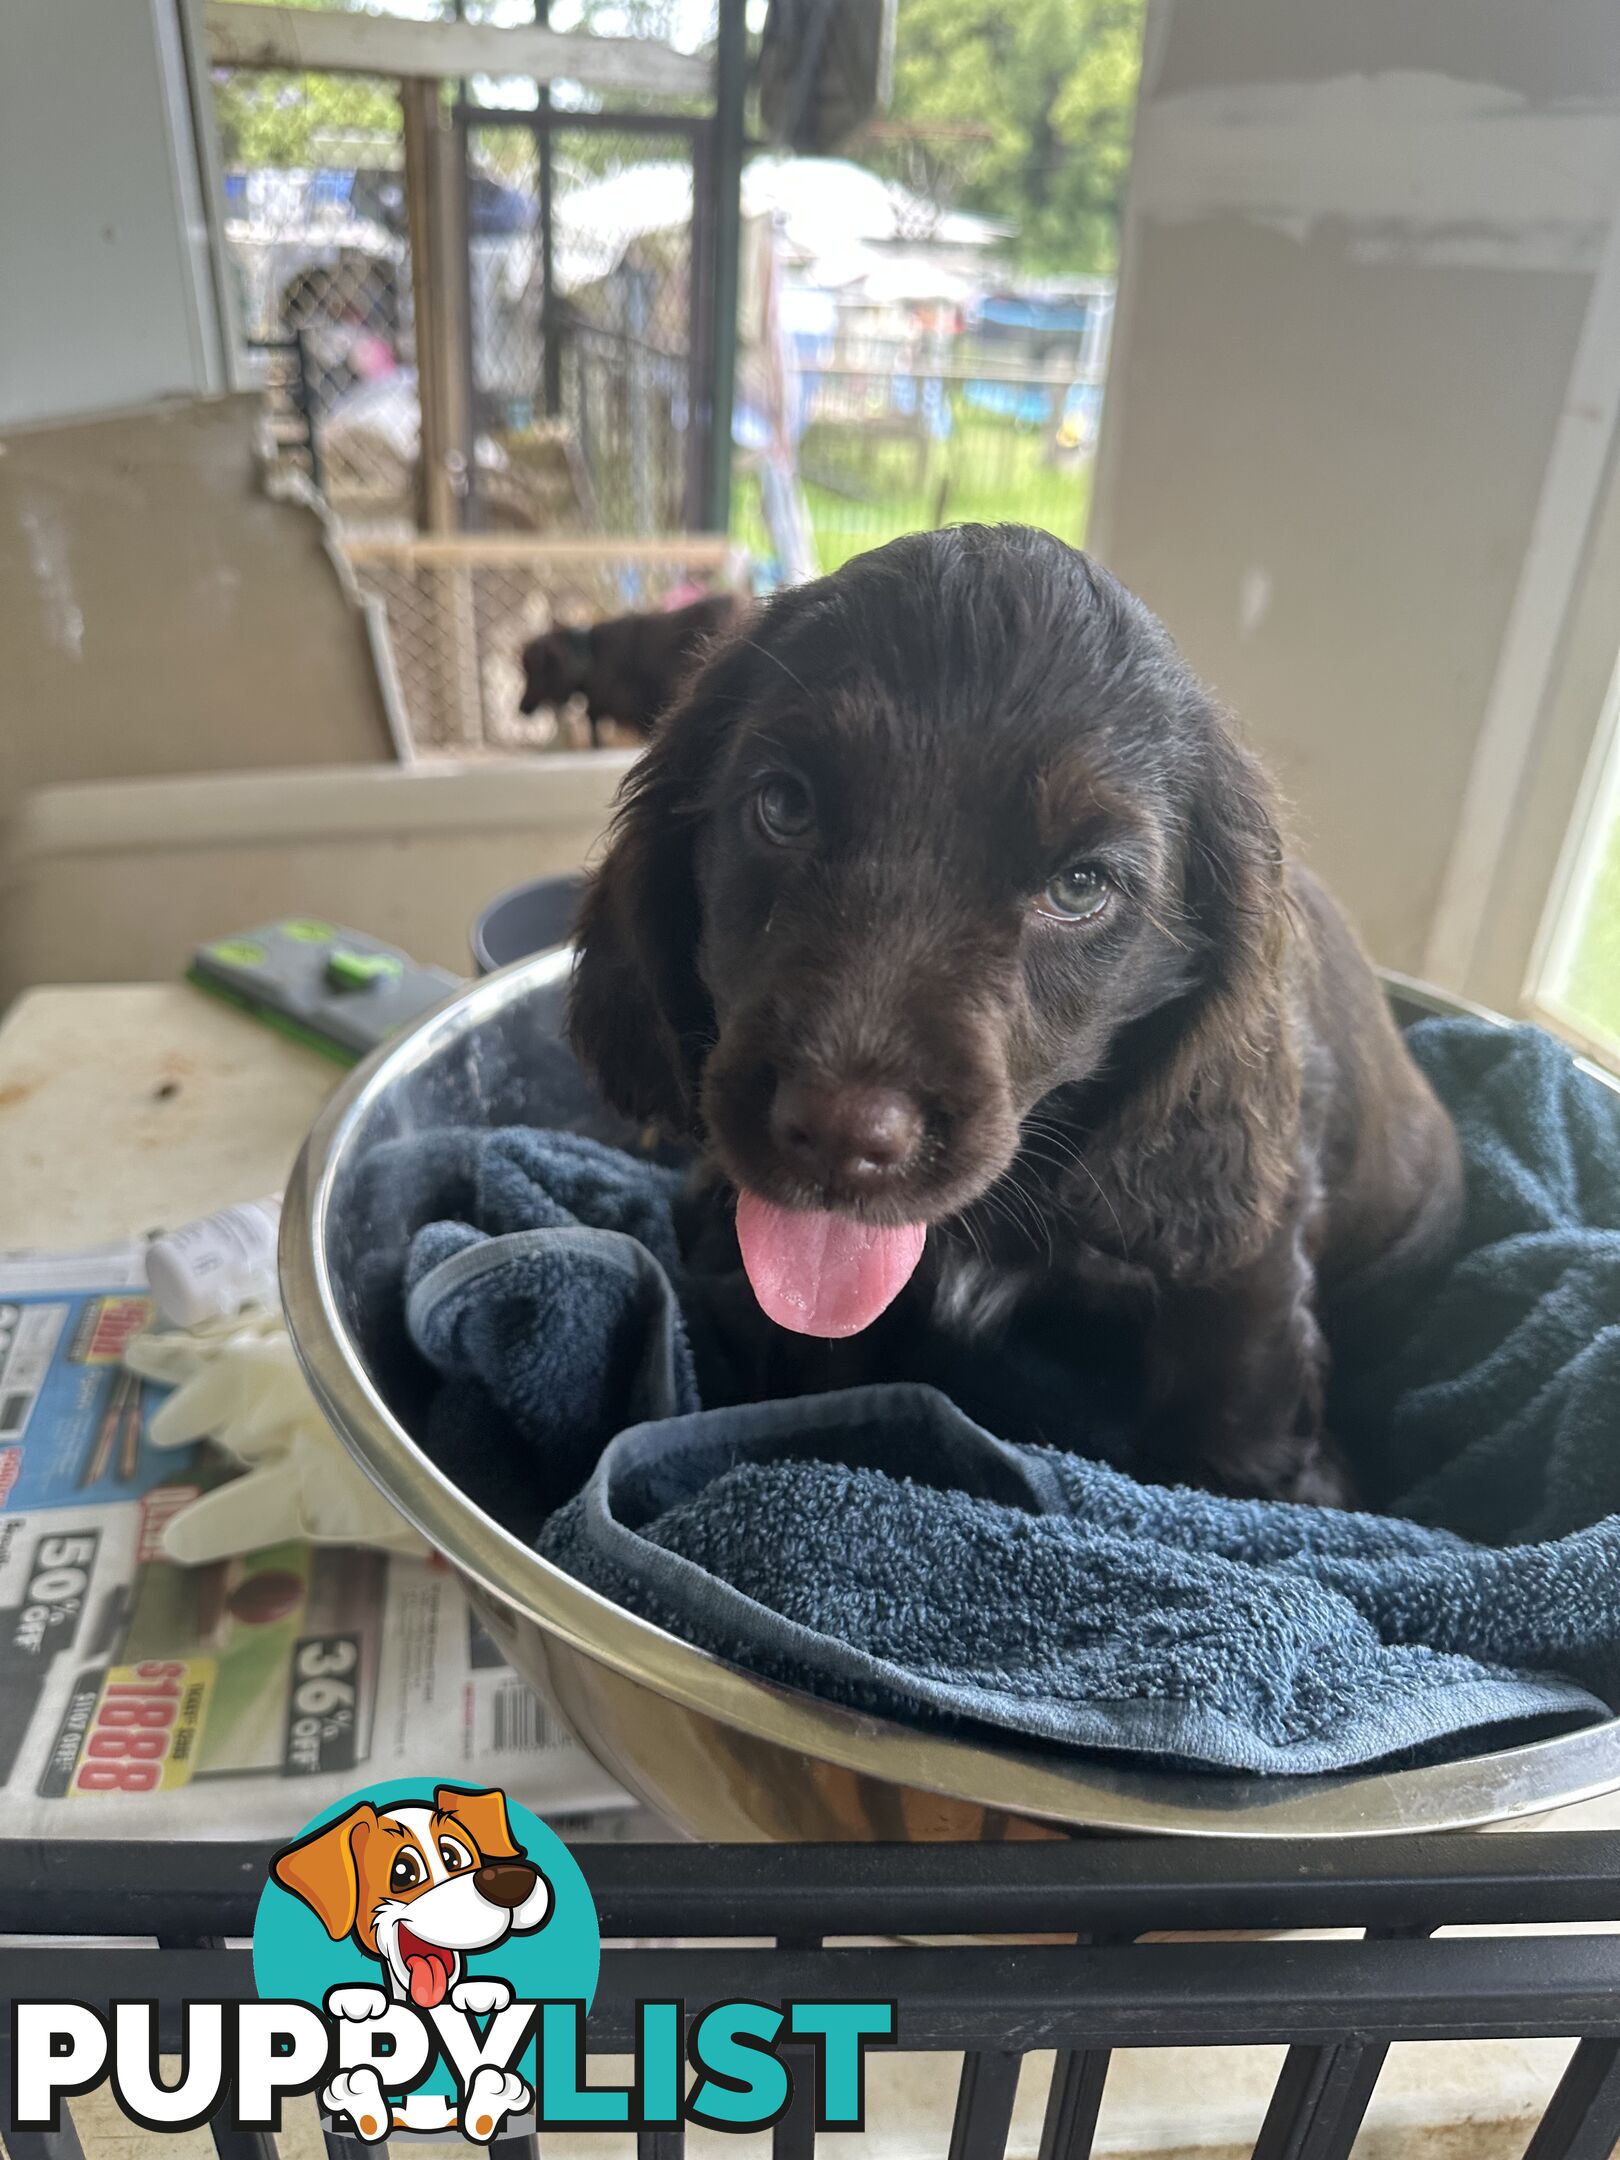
column 909, row 394
column 497, row 211
column 1029, row 404
column 1008, row 313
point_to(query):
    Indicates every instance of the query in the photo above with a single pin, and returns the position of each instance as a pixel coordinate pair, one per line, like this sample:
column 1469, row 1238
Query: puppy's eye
column 1075, row 894
column 455, row 1857
column 783, row 808
column 405, row 1873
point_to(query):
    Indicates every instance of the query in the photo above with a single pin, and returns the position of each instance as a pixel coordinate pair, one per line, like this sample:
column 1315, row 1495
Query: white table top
column 135, row 1107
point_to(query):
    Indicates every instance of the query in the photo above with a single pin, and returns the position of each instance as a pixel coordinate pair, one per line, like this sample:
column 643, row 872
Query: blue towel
column 1493, row 1407
column 880, row 1547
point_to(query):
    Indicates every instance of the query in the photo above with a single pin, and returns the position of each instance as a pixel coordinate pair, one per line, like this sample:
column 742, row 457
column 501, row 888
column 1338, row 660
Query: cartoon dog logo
column 420, row 1889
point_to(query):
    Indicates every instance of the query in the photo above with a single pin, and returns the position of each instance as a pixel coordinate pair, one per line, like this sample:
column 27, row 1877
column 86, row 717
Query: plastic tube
column 214, row 1267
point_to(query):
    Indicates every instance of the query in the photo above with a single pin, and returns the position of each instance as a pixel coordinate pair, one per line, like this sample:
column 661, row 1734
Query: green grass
column 989, row 471
column 1592, row 991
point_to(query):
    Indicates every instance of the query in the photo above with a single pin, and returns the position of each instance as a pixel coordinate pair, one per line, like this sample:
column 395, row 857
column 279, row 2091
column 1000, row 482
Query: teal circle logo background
column 295, row 1960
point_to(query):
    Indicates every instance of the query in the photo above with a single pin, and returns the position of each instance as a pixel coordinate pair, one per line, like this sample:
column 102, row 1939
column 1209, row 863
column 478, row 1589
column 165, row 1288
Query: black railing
column 1338, row 2005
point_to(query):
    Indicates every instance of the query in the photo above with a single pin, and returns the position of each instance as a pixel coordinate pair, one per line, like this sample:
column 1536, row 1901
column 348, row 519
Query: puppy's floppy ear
column 324, row 1869
column 483, row 1816
column 639, row 1015
column 1212, row 1137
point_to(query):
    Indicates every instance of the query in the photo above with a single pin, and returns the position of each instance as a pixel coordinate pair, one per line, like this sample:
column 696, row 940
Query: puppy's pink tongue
column 821, row 1274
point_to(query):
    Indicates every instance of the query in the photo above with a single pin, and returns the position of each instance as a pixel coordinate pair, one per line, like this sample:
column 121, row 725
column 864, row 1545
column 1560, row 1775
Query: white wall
column 1363, row 392
column 105, row 292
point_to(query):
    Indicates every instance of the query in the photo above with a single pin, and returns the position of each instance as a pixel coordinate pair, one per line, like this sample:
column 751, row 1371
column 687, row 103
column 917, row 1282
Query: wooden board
column 301, row 39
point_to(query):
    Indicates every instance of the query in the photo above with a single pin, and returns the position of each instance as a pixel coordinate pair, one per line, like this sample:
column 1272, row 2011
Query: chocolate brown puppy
column 948, row 912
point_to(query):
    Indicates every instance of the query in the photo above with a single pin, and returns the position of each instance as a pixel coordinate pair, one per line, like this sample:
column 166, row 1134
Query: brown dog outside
column 630, row 669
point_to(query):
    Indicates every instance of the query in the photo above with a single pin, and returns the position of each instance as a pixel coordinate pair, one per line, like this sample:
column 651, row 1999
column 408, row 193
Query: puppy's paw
column 359, row 2095
column 355, row 2005
column 492, row 2097
column 480, row 1998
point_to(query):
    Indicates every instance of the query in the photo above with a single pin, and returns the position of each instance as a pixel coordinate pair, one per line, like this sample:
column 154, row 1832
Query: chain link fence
column 319, row 253
column 583, row 353
column 908, row 419
column 580, row 352
column 461, row 609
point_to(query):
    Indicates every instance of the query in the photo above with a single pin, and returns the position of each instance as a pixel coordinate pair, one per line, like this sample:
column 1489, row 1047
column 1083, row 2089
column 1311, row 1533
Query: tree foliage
column 1050, row 88
column 1033, row 100
column 303, row 121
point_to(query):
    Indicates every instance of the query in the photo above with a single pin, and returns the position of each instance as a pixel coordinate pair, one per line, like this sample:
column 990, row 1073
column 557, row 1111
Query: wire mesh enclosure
column 586, row 247
column 319, row 251
column 461, row 609
column 993, row 1953
column 586, row 242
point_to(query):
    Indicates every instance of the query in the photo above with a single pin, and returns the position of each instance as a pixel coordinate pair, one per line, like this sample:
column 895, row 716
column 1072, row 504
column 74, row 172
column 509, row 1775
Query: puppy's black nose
column 505, row 1882
column 846, row 1137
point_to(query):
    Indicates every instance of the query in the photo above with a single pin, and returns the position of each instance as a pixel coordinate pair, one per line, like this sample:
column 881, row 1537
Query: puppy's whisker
column 1038, row 1215
column 1060, row 1164
column 776, row 660
column 1171, row 937
column 1068, row 1146
column 1020, row 1211
column 1038, row 1128
column 1077, row 1161
column 1054, row 1149
column 983, row 1212
column 971, row 1232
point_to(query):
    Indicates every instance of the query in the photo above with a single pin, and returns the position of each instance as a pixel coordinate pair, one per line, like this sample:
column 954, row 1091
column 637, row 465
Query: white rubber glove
column 237, row 1382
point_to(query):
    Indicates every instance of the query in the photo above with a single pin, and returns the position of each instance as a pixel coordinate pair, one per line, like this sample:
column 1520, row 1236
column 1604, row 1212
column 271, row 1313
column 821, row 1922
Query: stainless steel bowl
column 721, row 1754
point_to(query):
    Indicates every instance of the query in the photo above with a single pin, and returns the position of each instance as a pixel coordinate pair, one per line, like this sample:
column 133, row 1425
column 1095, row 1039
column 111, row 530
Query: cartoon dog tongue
column 428, row 1968
column 821, row 1274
